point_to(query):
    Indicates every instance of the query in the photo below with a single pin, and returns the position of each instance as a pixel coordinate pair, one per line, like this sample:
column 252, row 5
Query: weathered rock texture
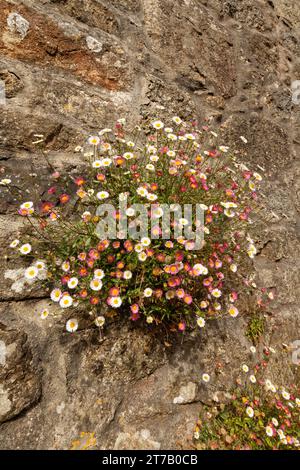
column 72, row 66
column 20, row 381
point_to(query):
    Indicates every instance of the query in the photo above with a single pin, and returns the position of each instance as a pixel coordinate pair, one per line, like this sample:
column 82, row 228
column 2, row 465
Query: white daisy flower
column 99, row 321
column 286, row 395
column 183, row 221
column 252, row 379
column 190, row 136
column 96, row 284
column 55, row 295
column 205, row 378
column 142, row 191
column 128, row 155
column 31, row 272
column 106, row 162
column 145, row 241
column 201, row 322
column 94, row 140
column 40, row 264
column 65, row 266
column 127, row 275
column 150, row 167
column 72, row 283
column 148, row 292
column 14, row 243
column 102, row 195
column 66, row 301
column 268, row 384
column 250, row 411
column 199, row 269
column 245, row 368
column 151, row 149
column 86, row 216
column 151, row 197
column 130, row 212
column 5, row 182
column 257, row 176
column 99, row 274
column 157, row 212
column 72, row 325
column 269, row 431
column 44, row 314
column 230, row 214
column 142, row 256
column 97, row 164
column 27, row 205
column 229, row 205
column 177, row 120
column 115, row 302
column 25, row 249
column 252, row 186
column 138, row 248
column 223, row 148
column 251, row 251
column 216, row 293
column 158, row 125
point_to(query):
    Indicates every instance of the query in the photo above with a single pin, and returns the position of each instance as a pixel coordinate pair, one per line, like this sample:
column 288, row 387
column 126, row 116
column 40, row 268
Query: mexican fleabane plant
column 151, row 279
column 259, row 415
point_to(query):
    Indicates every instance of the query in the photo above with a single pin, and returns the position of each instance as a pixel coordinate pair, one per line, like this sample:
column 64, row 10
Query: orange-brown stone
column 47, row 44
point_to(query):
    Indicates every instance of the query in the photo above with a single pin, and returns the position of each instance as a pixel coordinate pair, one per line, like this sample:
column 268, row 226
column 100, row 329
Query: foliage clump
column 259, row 415
column 152, row 279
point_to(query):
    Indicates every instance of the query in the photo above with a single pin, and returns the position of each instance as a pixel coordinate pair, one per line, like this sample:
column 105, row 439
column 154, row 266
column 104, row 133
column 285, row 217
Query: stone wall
column 73, row 66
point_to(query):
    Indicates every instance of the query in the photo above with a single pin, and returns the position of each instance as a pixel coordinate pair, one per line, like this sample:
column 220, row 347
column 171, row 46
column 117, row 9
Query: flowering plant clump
column 157, row 278
column 259, row 416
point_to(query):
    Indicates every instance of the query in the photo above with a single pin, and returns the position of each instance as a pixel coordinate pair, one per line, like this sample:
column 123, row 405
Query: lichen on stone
column 18, row 24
